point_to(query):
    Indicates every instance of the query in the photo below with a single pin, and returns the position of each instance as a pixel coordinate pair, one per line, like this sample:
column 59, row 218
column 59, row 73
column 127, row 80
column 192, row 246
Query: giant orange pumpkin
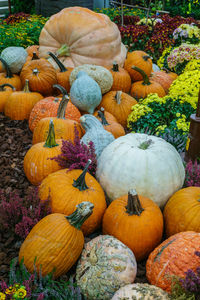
column 80, row 36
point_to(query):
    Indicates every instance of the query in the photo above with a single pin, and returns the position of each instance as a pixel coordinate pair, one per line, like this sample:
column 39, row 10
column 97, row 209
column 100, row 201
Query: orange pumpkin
column 121, row 78
column 55, row 242
column 182, row 211
column 41, row 75
column 37, row 161
column 64, row 128
column 136, row 221
column 173, row 258
column 119, row 104
column 32, row 49
column 110, row 123
column 141, row 60
column 10, row 78
column 71, row 188
column 2, row 68
column 163, row 78
column 19, row 104
column 4, row 94
column 171, row 74
column 141, row 89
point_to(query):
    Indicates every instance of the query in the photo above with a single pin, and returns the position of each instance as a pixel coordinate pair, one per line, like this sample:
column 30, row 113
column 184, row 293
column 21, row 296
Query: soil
column 15, row 140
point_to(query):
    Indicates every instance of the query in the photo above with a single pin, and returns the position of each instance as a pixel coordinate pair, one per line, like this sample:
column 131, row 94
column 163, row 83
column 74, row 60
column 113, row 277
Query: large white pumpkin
column 142, row 162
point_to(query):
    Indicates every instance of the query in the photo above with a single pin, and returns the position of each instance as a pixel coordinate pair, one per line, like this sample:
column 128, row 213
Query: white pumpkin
column 140, row 291
column 105, row 265
column 142, row 162
column 15, row 58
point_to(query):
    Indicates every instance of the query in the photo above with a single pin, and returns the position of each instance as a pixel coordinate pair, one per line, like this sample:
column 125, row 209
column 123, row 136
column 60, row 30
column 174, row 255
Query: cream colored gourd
column 100, row 74
column 140, row 291
column 142, row 162
column 15, row 57
column 95, row 133
column 105, row 265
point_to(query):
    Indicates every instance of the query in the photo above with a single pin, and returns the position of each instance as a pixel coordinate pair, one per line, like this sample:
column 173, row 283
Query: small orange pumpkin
column 4, row 94
column 32, row 49
column 71, row 188
column 121, row 78
column 163, row 78
column 10, row 78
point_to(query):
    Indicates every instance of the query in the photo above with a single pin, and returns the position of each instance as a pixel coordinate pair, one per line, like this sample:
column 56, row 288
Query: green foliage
column 27, row 6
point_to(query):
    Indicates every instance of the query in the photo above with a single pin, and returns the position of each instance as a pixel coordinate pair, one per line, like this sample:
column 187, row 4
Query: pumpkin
column 32, row 49
column 48, row 107
column 105, row 265
column 139, row 59
column 80, row 36
column 119, row 104
column 136, row 221
column 96, row 133
column 140, row 291
column 10, row 78
column 85, row 93
column 37, row 161
column 142, row 162
column 182, row 211
column 41, row 76
column 173, row 257
column 64, row 73
column 100, row 74
column 18, row 106
column 2, row 68
column 141, row 89
column 112, row 125
column 171, row 74
column 121, row 79
column 71, row 188
column 15, row 57
column 4, row 94
column 56, row 242
column 163, row 78
column 64, row 128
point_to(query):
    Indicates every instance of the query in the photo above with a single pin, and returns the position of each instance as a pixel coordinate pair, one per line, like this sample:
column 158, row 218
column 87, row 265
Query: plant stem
column 134, row 206
column 80, row 183
column 50, row 141
column 144, row 75
column 78, row 217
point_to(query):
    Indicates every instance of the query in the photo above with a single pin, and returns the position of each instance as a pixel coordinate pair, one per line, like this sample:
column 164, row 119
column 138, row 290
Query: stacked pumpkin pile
column 138, row 173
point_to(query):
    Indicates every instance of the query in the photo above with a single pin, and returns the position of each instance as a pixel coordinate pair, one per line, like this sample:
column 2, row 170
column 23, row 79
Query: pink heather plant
column 192, row 174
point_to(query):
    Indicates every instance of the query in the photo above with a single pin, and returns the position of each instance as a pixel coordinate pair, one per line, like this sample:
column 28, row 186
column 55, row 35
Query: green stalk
column 78, row 217
column 50, row 141
column 63, row 51
column 7, row 68
column 145, row 145
column 58, row 62
column 146, row 57
column 144, row 75
column 102, row 116
column 26, row 86
column 115, row 67
column 80, row 183
column 34, row 57
column 118, row 97
column 134, row 206
column 2, row 86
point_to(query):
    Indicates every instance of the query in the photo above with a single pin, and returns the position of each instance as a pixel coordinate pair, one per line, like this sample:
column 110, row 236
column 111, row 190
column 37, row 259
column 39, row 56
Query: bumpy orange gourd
column 141, row 89
column 4, row 94
column 163, row 78
column 41, row 75
column 121, row 78
column 109, row 123
column 48, row 107
column 37, row 161
column 135, row 221
column 10, row 78
column 69, row 188
column 119, row 104
column 80, row 36
column 32, row 49
column 173, row 257
column 64, row 128
column 139, row 59
column 19, row 104
column 182, row 211
column 55, row 242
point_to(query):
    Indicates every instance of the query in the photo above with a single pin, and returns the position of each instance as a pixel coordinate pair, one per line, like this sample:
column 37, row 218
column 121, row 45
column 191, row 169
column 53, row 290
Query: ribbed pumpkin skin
column 37, row 164
column 140, row 233
column 139, row 90
column 19, row 104
column 15, row 81
column 119, row 111
column 121, row 80
column 48, row 107
column 65, row 197
column 63, row 78
column 43, row 80
column 182, row 211
column 4, row 95
column 64, row 129
column 163, row 78
column 135, row 58
column 31, row 49
column 55, row 243
column 173, row 257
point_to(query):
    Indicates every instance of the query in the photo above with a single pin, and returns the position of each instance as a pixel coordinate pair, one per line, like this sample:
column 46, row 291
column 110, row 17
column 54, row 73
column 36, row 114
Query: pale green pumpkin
column 15, row 57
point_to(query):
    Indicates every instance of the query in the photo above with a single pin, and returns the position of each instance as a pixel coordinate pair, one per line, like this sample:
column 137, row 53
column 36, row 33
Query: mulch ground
column 15, row 140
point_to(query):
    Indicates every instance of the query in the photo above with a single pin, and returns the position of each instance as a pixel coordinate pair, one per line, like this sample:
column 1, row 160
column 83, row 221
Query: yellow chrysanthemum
column 2, row 296
column 20, row 293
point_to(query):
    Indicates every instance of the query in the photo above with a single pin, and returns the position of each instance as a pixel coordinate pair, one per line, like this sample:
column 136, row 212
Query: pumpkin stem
column 61, row 89
column 134, row 206
column 145, row 144
column 102, row 116
column 50, row 141
column 26, row 86
column 144, row 75
column 146, row 57
column 58, row 62
column 80, row 183
column 35, row 71
column 118, row 97
column 7, row 68
column 63, row 51
column 34, row 57
column 2, row 86
column 166, row 70
column 115, row 67
column 78, row 217
column 62, row 107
